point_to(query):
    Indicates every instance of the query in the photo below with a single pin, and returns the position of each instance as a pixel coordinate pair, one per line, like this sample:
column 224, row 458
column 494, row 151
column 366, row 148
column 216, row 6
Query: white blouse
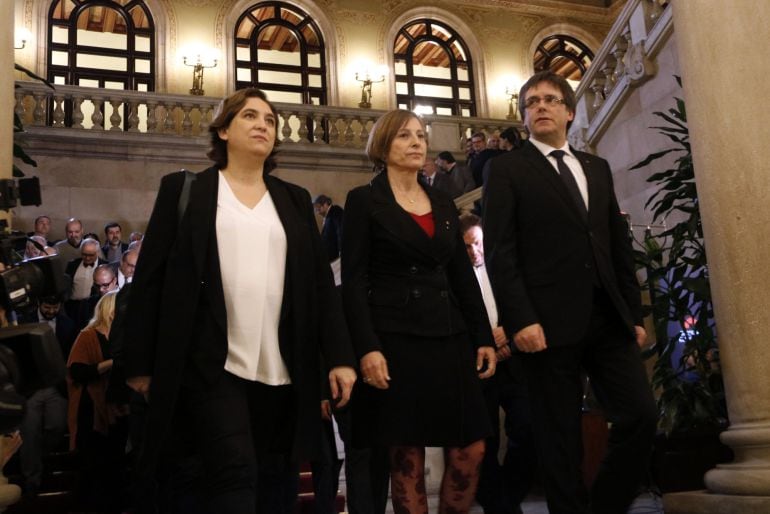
column 252, row 256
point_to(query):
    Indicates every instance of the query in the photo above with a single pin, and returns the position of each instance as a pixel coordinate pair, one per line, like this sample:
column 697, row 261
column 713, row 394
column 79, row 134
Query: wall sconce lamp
column 513, row 104
column 366, row 89
column 22, row 36
column 198, row 67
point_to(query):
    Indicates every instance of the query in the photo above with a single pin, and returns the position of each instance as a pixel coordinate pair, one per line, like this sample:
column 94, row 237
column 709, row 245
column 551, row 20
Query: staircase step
column 44, row 503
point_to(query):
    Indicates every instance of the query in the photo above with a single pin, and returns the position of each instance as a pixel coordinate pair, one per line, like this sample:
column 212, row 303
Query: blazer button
column 413, row 270
column 439, row 268
column 416, row 293
column 588, row 265
column 444, row 294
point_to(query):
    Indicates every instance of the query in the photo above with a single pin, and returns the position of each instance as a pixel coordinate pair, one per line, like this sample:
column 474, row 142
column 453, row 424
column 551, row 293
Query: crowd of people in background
column 81, row 314
column 427, row 323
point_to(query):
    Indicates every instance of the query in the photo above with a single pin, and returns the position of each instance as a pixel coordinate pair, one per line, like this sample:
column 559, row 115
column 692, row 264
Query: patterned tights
column 458, row 485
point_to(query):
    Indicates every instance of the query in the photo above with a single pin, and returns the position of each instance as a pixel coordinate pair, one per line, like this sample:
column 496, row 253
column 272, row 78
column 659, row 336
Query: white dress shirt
column 252, row 256
column 486, row 294
column 570, row 160
column 82, row 282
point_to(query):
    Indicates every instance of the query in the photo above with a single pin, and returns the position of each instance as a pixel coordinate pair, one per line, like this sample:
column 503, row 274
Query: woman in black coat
column 417, row 317
column 232, row 306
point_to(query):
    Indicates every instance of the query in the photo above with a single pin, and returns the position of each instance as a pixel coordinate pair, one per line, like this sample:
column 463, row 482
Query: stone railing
column 625, row 61
column 90, row 110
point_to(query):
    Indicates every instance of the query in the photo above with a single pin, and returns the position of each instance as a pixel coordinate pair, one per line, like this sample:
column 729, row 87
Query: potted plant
column 686, row 372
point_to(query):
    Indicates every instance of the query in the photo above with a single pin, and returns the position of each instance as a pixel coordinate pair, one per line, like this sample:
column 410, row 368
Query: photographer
column 45, row 418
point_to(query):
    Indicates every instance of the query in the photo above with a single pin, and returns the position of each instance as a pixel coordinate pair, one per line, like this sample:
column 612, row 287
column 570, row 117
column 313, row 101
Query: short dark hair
column 570, row 102
column 50, row 300
column 41, row 217
column 511, row 134
column 446, row 156
column 110, row 225
column 479, row 134
column 384, row 132
column 468, row 221
column 322, row 200
column 228, row 108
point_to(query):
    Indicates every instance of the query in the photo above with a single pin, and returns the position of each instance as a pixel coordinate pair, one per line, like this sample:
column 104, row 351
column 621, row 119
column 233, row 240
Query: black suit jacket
column 444, row 182
column 331, row 232
column 106, row 249
column 176, row 322
column 72, row 266
column 395, row 279
column 543, row 258
column 71, row 269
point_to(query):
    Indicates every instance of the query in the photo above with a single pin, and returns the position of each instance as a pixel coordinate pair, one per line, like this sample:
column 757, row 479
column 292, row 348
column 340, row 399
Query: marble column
column 725, row 69
column 9, row 493
column 6, row 88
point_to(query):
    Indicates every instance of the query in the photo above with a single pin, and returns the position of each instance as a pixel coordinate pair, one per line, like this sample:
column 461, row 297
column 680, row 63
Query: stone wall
column 629, row 139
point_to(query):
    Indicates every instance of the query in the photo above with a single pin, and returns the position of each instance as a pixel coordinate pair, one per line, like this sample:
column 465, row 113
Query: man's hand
column 374, row 368
column 341, row 380
column 486, row 353
column 530, row 339
column 326, row 410
column 641, row 336
column 502, row 350
column 141, row 385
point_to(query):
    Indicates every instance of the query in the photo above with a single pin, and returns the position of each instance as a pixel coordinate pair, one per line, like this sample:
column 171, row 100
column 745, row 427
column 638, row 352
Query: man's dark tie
column 569, row 182
column 430, row 181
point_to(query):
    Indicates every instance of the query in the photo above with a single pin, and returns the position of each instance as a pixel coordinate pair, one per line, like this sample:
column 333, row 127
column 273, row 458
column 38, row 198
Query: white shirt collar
column 546, row 149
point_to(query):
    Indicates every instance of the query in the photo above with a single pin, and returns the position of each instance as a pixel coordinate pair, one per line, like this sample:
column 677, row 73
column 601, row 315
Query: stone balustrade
column 625, row 61
column 84, row 109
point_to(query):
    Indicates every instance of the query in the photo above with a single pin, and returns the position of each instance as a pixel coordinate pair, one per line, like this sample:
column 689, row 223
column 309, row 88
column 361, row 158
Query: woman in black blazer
column 232, row 306
column 417, row 318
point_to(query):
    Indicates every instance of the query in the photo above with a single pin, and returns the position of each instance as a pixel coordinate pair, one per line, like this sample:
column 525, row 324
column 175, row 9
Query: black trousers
column 367, row 471
column 243, row 432
column 502, row 488
column 610, row 357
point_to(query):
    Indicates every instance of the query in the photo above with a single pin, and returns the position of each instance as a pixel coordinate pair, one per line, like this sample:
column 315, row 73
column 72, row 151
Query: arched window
column 101, row 43
column 433, row 70
column 279, row 49
column 564, row 55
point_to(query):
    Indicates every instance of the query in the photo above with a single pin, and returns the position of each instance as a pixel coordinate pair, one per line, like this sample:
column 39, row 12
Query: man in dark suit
column 459, row 174
column 331, row 233
column 45, row 416
column 562, row 269
column 438, row 179
column 113, row 249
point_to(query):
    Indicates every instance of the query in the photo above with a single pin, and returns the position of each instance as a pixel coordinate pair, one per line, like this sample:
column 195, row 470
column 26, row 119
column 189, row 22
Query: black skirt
column 434, row 398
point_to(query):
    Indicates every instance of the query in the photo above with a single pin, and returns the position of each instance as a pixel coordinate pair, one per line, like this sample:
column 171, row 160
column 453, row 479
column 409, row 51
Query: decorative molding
column 389, row 6
column 357, row 17
column 198, row 3
column 474, row 14
column 639, row 67
column 546, row 8
column 342, row 44
column 27, row 16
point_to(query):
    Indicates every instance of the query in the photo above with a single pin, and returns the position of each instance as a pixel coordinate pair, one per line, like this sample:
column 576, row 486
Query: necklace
column 405, row 195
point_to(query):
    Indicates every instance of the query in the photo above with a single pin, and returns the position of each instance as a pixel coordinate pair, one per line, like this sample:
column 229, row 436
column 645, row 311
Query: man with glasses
column 125, row 270
column 562, row 270
column 104, row 280
column 81, row 277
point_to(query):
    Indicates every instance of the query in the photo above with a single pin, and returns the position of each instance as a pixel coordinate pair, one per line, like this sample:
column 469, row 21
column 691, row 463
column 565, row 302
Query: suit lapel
column 396, row 220
column 202, row 218
column 594, row 185
column 550, row 175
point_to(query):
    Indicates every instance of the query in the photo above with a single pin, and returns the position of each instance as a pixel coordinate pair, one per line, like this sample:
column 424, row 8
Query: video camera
column 30, row 355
